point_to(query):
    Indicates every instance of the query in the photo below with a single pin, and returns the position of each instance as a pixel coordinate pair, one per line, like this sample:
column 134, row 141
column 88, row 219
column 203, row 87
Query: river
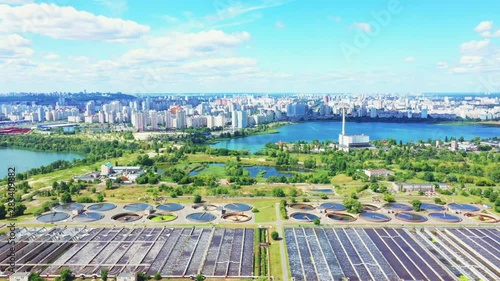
column 329, row 130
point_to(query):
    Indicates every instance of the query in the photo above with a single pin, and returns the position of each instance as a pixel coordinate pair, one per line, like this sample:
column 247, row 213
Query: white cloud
column 16, row 2
column 51, row 56
column 67, row 23
column 279, row 25
column 14, row 46
column 363, row 26
column 409, row 59
column 488, row 34
column 484, row 26
column 222, row 63
column 475, row 47
column 471, row 60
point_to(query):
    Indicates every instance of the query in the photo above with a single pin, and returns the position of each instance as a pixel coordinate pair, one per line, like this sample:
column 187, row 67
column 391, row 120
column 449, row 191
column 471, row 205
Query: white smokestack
column 343, row 121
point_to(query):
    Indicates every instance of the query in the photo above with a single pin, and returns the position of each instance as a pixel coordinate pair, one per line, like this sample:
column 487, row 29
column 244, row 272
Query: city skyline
column 250, row 46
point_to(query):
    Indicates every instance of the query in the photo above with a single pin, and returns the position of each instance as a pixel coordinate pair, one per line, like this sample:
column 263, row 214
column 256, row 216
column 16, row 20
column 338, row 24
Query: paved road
column 279, row 228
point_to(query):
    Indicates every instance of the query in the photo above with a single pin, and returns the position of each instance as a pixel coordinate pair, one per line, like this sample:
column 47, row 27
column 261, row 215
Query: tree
column 197, row 199
column 104, row 274
column 317, row 221
column 19, row 209
column 35, row 276
column 353, row 205
column 66, row 198
column 3, row 213
column 109, row 184
column 416, row 205
column 157, row 276
column 65, row 275
column 389, row 197
column 275, row 235
column 278, row 192
column 200, row 277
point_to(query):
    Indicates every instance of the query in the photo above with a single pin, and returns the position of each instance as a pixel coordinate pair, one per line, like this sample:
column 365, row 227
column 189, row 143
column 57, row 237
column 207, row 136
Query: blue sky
column 314, row 46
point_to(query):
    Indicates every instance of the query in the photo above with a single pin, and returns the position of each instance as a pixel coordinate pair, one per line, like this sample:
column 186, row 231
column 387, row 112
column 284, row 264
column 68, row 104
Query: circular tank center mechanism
column 162, row 217
column 101, row 207
column 137, row 207
column 301, row 206
column 170, row 207
column 126, row 217
column 205, row 207
column 374, row 217
column 201, row 217
column 52, row 217
column 341, row 217
column 305, row 217
column 370, row 207
column 410, row 217
column 238, row 207
column 236, row 217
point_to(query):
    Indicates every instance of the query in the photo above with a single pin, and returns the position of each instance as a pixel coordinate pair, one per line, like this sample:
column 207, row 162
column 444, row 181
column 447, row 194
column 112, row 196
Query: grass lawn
column 267, row 210
column 275, row 259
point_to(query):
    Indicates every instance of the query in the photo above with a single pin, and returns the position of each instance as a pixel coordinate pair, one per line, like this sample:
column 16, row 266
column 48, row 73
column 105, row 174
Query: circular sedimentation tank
column 302, row 206
column 410, row 217
column 162, row 217
column 69, row 207
column 101, row 207
column 236, row 217
column 463, row 207
column 332, row 206
column 238, row 207
column 431, row 207
column 126, row 217
column 52, row 217
column 170, row 207
column 370, row 207
column 397, row 207
column 341, row 217
column 374, row 217
column 482, row 217
column 137, row 207
column 444, row 217
column 205, row 207
column 88, row 217
column 201, row 217
column 305, row 217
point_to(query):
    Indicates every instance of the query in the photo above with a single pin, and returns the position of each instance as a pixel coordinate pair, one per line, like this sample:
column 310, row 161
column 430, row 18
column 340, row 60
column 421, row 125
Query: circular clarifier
column 398, row 207
column 432, row 207
column 463, row 207
column 236, row 217
column 102, row 207
column 201, row 217
column 162, row 217
column 69, row 207
column 445, row 217
column 238, row 207
column 341, row 217
column 306, row 217
column 52, row 217
column 170, row 207
column 137, row 207
column 370, row 207
column 302, row 206
column 126, row 217
column 374, row 217
column 332, row 206
column 88, row 217
column 410, row 217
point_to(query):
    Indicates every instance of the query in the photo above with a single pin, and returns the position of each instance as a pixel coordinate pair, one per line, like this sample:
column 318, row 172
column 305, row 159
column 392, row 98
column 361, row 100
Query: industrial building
column 348, row 142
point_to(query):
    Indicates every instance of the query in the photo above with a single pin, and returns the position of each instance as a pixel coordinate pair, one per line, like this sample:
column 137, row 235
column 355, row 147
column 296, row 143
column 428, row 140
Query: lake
column 329, row 130
column 253, row 171
column 23, row 160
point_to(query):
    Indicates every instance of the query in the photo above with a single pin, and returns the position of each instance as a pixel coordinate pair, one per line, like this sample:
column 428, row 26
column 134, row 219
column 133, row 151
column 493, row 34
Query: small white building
column 126, row 276
column 20, row 276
